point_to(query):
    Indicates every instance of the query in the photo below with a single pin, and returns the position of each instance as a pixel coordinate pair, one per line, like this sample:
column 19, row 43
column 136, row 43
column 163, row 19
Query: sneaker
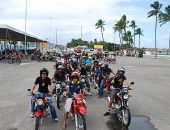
column 55, row 120
column 32, row 115
column 107, row 113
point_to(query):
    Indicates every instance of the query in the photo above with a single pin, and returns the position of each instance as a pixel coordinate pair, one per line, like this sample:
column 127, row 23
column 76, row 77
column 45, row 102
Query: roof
column 10, row 33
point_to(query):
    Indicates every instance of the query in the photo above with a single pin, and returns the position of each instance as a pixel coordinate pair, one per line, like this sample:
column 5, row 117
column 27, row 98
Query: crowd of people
column 69, row 70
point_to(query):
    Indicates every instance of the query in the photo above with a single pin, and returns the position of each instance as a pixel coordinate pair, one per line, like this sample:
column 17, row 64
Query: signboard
column 98, row 46
column 43, row 45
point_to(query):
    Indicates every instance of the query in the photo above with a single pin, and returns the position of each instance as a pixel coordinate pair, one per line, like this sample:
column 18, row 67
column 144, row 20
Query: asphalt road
column 149, row 104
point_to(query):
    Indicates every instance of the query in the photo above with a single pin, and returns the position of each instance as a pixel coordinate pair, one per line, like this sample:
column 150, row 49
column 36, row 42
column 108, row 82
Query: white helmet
column 60, row 67
column 121, row 70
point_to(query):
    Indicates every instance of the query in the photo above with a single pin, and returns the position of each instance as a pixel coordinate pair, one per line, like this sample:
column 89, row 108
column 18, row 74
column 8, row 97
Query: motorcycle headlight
column 125, row 96
column 40, row 102
column 82, row 80
column 57, row 86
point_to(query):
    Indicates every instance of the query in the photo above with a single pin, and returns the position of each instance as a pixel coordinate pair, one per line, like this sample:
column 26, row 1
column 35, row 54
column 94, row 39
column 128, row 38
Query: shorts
column 68, row 103
column 113, row 94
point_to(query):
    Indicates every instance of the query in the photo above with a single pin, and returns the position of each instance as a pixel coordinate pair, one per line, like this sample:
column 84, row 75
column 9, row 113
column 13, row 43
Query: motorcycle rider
column 60, row 74
column 69, row 69
column 74, row 86
column 105, row 73
column 117, row 82
column 44, row 88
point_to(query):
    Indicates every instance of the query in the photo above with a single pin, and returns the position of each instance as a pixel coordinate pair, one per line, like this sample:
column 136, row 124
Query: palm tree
column 100, row 24
column 128, row 38
column 119, row 28
column 139, row 32
column 165, row 17
column 133, row 26
column 156, row 6
column 124, row 22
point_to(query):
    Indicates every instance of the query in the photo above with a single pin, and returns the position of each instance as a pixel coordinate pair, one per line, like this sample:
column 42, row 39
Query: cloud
column 69, row 15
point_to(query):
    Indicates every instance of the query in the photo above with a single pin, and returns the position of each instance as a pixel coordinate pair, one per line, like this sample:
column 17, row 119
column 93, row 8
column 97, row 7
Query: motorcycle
column 41, row 105
column 85, row 81
column 95, row 81
column 59, row 90
column 121, row 105
column 79, row 111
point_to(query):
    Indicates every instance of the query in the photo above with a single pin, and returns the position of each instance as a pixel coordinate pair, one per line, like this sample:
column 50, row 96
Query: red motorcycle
column 79, row 111
column 41, row 105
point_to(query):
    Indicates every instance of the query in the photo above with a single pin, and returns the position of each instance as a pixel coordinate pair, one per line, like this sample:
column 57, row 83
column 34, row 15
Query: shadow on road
column 137, row 123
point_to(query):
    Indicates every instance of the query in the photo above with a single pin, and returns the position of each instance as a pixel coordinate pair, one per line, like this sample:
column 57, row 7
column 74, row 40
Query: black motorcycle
column 121, row 105
column 58, row 93
column 85, row 80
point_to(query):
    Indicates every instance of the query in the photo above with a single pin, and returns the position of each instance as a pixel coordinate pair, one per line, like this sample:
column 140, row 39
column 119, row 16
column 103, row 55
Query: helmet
column 106, row 65
column 75, row 74
column 121, row 71
column 44, row 70
column 60, row 67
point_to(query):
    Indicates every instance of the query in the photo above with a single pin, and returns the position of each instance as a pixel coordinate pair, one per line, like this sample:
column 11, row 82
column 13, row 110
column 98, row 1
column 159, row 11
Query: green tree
column 124, row 23
column 156, row 7
column 133, row 26
column 100, row 24
column 119, row 28
column 139, row 32
column 165, row 17
column 127, row 37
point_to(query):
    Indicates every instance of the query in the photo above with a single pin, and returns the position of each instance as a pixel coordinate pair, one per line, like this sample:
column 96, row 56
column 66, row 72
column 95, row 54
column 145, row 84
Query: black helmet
column 106, row 66
column 44, row 70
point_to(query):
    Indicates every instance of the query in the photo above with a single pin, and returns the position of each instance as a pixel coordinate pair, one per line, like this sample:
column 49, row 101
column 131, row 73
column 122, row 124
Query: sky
column 66, row 17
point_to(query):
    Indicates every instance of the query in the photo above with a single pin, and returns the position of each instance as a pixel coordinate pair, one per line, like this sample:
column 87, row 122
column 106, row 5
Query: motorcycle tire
column 126, row 116
column 37, row 123
column 81, row 122
column 58, row 101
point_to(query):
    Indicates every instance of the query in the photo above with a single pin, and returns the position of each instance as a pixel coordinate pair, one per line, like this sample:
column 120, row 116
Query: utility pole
column 25, row 25
column 56, row 37
column 114, row 41
column 50, row 34
column 81, row 32
column 169, row 42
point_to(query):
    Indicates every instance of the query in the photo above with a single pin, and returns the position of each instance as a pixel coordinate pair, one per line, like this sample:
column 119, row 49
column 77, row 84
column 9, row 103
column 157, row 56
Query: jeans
column 50, row 104
column 101, row 88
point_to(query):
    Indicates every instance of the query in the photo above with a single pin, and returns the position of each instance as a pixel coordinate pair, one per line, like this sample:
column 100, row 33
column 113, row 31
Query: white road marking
column 24, row 63
column 128, row 66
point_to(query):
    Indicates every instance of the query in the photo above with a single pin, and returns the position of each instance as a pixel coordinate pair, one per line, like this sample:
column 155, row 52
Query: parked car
column 130, row 54
column 140, row 54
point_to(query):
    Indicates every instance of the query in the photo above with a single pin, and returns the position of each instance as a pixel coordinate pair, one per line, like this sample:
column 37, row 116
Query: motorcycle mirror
column 29, row 89
column 132, row 83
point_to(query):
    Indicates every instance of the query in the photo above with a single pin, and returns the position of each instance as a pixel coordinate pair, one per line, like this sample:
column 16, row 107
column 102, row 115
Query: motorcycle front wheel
column 80, row 122
column 126, row 117
column 58, row 101
column 37, row 123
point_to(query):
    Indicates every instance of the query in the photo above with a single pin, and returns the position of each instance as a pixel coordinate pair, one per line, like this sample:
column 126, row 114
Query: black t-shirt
column 60, row 76
column 43, row 84
column 83, row 71
column 68, row 71
column 118, row 81
column 106, row 71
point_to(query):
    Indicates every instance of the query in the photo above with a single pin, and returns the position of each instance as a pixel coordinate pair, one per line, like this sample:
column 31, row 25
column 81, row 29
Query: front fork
column 76, row 122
